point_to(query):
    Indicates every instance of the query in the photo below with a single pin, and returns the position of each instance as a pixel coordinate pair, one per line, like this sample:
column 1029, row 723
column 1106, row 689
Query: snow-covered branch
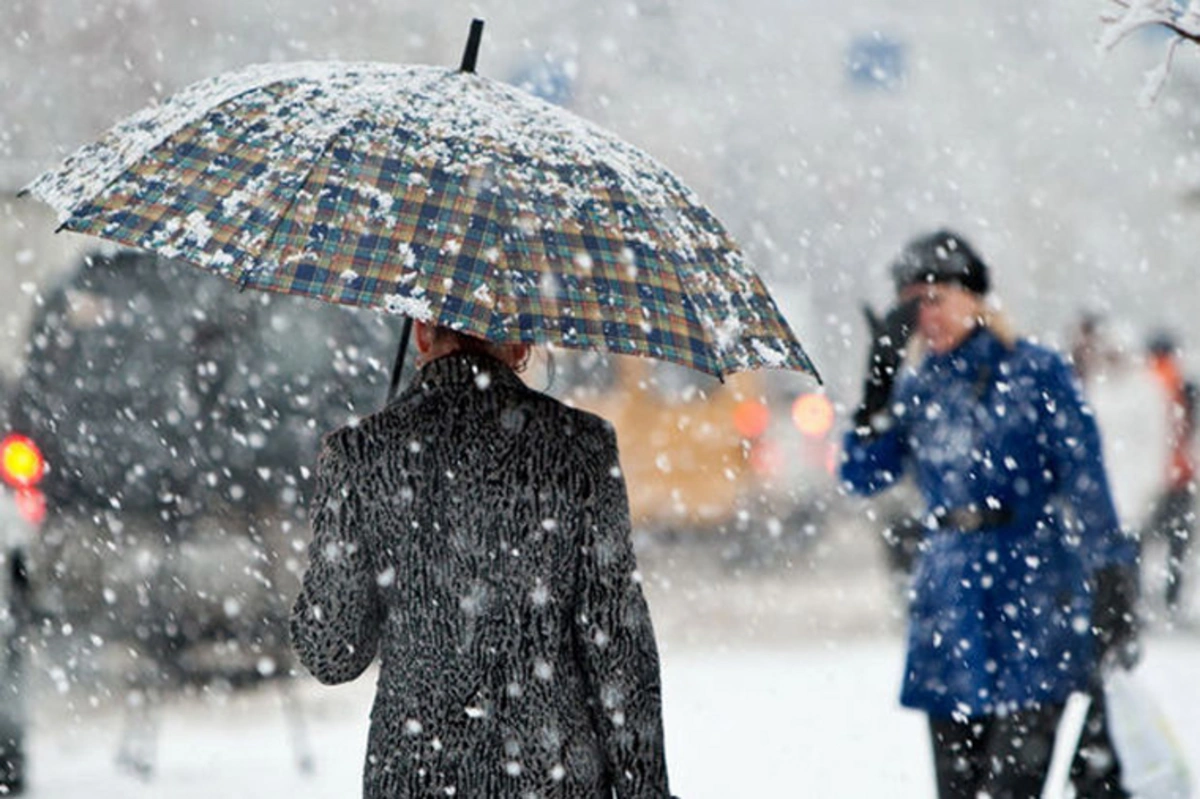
column 1127, row 16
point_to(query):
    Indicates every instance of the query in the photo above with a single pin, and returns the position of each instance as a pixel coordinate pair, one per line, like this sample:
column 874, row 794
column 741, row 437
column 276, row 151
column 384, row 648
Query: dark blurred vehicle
column 179, row 420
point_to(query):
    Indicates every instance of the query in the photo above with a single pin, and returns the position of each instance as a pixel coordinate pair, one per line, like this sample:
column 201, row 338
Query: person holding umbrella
column 474, row 536
column 1025, row 582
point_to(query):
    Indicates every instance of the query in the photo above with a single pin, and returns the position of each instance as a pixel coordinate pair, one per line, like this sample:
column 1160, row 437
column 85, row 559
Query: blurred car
column 179, row 420
column 750, row 457
column 794, row 458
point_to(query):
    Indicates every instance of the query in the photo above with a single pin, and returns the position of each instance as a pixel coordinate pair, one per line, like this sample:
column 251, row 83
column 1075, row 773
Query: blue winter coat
column 1000, row 616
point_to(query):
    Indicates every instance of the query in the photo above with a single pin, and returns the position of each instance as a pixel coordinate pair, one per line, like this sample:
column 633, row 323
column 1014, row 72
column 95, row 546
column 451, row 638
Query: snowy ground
column 778, row 681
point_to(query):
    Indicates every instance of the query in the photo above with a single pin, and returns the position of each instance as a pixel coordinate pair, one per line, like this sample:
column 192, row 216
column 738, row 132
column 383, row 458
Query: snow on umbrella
column 431, row 192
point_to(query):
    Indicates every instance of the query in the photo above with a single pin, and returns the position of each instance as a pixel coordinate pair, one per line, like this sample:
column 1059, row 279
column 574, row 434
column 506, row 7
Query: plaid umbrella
column 434, row 193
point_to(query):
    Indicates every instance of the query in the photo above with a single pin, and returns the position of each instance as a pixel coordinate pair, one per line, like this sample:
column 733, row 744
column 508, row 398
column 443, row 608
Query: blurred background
column 824, row 135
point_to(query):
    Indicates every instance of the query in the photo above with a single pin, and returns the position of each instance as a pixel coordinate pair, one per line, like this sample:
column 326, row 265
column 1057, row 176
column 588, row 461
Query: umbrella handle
column 472, row 49
column 398, row 363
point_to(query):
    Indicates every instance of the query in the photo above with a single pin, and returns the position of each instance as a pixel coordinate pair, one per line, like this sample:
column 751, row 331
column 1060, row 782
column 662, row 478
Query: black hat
column 1162, row 342
column 941, row 257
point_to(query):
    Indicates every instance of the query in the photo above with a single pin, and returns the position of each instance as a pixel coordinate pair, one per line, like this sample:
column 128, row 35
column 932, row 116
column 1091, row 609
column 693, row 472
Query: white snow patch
column 483, row 295
column 771, row 356
column 416, row 307
column 727, row 333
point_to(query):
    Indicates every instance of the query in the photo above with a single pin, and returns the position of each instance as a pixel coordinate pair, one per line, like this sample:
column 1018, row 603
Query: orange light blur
column 21, row 462
column 813, row 414
column 833, row 458
column 750, row 418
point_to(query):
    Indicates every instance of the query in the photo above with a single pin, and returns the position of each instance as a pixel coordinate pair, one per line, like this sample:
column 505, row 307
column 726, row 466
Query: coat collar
column 466, row 370
column 980, row 346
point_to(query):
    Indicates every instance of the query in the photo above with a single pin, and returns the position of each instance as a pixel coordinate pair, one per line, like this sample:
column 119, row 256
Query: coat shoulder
column 1038, row 359
column 589, row 434
column 587, row 422
column 1036, row 354
column 357, row 439
column 342, row 439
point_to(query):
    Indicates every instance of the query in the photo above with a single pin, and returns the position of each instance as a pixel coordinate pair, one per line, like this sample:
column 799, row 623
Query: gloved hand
column 1114, row 616
column 889, row 336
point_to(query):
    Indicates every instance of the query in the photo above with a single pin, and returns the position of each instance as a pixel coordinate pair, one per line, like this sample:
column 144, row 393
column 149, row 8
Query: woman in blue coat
column 1025, row 578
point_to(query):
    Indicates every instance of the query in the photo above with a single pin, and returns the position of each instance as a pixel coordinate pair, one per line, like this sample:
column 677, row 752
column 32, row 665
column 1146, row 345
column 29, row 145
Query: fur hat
column 941, row 257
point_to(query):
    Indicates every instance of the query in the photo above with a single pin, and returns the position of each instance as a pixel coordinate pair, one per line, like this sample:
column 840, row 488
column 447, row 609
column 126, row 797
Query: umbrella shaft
column 398, row 363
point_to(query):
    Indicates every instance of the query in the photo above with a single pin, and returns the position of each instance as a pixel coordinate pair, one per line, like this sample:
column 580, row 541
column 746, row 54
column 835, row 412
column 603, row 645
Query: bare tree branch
column 1132, row 15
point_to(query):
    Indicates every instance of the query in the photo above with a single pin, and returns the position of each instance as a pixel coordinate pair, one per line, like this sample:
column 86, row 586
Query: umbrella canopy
column 430, row 192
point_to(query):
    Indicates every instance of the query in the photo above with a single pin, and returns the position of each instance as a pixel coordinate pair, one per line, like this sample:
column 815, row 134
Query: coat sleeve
column 874, row 460
column 615, row 636
column 336, row 620
column 1077, row 463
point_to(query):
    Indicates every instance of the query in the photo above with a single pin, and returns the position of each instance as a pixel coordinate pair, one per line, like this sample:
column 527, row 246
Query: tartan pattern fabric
column 433, row 193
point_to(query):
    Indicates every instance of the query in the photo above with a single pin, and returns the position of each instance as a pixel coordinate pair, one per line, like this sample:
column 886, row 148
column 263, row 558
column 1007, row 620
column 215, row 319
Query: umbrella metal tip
column 471, row 53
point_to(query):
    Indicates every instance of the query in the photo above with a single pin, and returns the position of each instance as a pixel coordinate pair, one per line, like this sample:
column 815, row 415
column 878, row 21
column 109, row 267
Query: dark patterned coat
column 475, row 536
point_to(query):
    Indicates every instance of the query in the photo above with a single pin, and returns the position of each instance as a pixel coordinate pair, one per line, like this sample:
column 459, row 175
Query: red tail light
column 32, row 505
column 21, row 463
column 750, row 418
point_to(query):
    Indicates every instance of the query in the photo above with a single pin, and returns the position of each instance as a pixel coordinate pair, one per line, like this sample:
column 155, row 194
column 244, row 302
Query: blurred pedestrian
column 1174, row 515
column 1090, row 350
column 475, row 537
column 1025, row 582
column 1114, row 374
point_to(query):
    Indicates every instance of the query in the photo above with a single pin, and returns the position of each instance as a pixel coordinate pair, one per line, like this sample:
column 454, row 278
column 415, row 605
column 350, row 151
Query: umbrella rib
column 712, row 344
column 508, row 221
column 709, row 339
column 664, row 237
column 244, row 275
column 695, row 264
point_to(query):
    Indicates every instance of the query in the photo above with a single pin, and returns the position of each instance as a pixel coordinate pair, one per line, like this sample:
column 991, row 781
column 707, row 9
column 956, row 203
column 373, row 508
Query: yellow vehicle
column 701, row 455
